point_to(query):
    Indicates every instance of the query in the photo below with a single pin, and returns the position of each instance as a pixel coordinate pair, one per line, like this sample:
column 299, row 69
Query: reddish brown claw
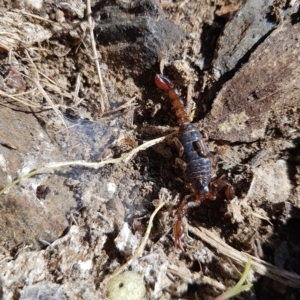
column 178, row 232
column 230, row 192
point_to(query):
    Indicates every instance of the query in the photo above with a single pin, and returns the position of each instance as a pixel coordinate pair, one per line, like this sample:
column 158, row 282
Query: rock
column 23, row 217
column 137, row 37
column 270, row 79
column 241, row 34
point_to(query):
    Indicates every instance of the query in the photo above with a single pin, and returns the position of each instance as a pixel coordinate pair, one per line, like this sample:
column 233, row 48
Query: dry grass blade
column 55, row 165
column 146, row 145
column 53, row 106
column 259, row 266
column 4, row 47
column 43, row 92
column 42, row 19
column 77, row 87
column 195, row 277
column 123, row 106
column 104, row 99
column 25, row 102
column 55, row 88
column 142, row 245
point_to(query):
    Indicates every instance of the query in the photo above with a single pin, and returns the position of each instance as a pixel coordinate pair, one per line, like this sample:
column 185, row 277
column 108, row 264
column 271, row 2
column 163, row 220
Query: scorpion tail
column 164, row 83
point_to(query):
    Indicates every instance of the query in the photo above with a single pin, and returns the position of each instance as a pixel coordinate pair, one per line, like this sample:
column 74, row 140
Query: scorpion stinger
column 197, row 158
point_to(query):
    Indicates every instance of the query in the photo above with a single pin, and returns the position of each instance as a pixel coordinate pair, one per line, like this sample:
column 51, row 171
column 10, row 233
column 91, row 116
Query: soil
column 65, row 230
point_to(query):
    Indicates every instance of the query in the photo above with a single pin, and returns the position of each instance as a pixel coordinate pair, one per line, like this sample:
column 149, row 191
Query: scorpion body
column 197, row 158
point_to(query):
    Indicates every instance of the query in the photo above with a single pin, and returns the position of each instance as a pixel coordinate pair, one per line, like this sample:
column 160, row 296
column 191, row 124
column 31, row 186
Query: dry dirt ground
column 77, row 85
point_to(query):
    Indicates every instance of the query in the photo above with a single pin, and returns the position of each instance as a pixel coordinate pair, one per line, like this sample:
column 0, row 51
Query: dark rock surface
column 137, row 37
column 241, row 110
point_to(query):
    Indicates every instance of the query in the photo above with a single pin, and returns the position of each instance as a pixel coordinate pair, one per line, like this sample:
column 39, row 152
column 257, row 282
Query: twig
column 54, row 165
column 146, row 145
column 26, row 103
column 47, row 77
column 55, row 88
column 4, row 47
column 104, row 104
column 141, row 247
column 195, row 277
column 40, row 88
column 41, row 19
column 77, row 86
column 259, row 266
column 30, row 174
column 123, row 106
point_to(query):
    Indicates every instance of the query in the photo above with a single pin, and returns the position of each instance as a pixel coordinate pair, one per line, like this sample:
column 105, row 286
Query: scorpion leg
column 204, row 134
column 180, row 163
column 181, row 212
column 178, row 146
column 216, row 155
column 215, row 187
column 220, row 184
column 201, row 148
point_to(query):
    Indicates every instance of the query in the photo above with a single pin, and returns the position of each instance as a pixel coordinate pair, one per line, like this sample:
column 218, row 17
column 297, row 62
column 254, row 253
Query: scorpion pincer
column 197, row 158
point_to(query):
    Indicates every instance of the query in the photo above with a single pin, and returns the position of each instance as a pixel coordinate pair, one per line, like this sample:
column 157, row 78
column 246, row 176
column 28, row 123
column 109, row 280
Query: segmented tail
column 164, row 83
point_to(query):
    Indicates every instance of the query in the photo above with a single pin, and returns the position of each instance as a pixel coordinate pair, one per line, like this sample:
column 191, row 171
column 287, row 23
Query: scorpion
column 197, row 159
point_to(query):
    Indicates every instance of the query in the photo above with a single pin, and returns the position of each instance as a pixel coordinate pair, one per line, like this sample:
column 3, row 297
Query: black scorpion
column 197, row 158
